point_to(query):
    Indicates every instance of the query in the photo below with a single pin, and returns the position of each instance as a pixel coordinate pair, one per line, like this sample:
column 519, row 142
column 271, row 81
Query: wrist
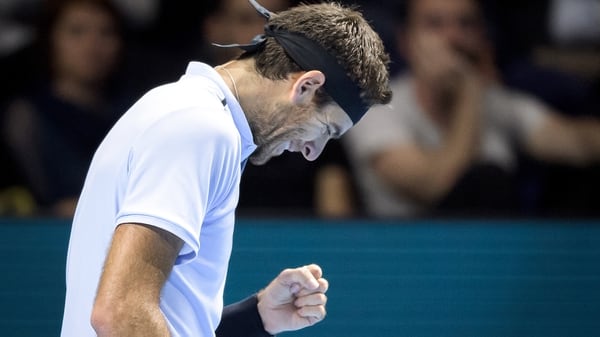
column 242, row 319
column 263, row 313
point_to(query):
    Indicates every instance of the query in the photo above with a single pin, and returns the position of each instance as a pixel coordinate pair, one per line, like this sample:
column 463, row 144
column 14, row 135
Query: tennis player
column 152, row 233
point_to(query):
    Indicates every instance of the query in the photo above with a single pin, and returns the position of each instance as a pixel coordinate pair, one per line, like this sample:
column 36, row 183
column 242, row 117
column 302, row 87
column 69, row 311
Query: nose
column 312, row 149
column 460, row 30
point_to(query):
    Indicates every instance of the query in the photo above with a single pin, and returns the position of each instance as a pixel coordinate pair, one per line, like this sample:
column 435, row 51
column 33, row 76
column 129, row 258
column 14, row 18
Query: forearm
column 458, row 146
column 568, row 140
column 425, row 176
column 588, row 132
column 139, row 320
column 461, row 140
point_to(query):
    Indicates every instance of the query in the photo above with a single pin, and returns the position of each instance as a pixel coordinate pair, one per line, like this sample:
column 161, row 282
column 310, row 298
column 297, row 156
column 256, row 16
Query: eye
column 327, row 130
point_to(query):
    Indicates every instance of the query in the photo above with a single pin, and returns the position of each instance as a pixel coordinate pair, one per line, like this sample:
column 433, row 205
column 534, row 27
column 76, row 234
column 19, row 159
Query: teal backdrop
column 480, row 278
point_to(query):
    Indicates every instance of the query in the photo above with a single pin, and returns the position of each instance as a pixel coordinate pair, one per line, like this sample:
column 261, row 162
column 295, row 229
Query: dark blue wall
column 417, row 279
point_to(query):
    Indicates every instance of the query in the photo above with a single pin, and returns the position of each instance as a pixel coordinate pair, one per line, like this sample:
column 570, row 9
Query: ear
column 305, row 86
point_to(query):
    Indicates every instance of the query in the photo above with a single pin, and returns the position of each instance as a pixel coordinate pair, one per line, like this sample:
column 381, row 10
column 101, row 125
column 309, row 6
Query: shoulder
column 387, row 125
column 503, row 97
column 393, row 116
column 192, row 92
column 193, row 107
column 194, row 126
column 401, row 105
column 514, row 109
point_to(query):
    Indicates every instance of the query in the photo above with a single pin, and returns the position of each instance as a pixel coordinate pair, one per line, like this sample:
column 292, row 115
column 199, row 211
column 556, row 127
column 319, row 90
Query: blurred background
column 70, row 68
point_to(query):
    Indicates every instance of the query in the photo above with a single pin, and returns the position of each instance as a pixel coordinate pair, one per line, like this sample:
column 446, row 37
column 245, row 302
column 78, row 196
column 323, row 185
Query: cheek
column 311, row 131
column 65, row 49
column 109, row 49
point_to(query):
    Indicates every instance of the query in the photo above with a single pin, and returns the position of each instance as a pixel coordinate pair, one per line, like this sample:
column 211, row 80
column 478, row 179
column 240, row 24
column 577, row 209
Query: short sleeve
column 522, row 114
column 170, row 175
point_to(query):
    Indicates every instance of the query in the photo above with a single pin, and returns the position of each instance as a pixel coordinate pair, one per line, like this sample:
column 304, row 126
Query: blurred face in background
column 84, row 43
column 457, row 22
column 237, row 22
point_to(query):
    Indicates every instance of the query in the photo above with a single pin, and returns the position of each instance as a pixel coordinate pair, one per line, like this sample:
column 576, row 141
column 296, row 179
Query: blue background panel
column 415, row 279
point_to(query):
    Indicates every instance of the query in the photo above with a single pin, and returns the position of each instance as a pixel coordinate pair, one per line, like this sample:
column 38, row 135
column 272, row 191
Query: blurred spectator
column 575, row 22
column 53, row 129
column 17, row 33
column 233, row 21
column 162, row 38
column 563, row 73
column 139, row 14
column 450, row 140
column 16, row 36
column 534, row 61
column 280, row 188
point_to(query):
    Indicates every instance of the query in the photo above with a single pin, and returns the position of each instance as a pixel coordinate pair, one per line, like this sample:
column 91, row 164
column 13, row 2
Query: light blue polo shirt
column 172, row 161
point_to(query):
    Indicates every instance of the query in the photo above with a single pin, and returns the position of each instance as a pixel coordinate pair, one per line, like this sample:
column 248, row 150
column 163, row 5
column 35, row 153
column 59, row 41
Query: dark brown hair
column 344, row 33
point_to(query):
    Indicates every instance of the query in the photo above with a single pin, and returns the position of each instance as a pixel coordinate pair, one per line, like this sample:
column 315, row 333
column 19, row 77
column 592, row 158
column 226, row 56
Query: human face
column 458, row 22
column 304, row 129
column 85, row 44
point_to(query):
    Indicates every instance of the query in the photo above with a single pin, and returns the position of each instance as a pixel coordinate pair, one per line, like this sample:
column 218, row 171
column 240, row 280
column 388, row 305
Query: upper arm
column 138, row 263
column 177, row 170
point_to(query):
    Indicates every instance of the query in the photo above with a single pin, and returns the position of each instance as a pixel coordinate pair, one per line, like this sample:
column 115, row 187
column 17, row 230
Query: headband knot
column 309, row 55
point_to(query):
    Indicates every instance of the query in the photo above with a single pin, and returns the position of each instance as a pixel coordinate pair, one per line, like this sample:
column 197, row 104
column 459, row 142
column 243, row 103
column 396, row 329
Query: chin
column 263, row 154
column 258, row 161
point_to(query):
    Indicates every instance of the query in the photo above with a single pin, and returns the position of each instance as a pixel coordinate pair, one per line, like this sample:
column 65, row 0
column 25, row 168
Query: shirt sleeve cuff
column 242, row 319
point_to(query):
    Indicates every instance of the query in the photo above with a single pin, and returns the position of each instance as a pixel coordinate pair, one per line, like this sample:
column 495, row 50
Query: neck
column 243, row 82
column 232, row 84
column 231, row 74
column 256, row 94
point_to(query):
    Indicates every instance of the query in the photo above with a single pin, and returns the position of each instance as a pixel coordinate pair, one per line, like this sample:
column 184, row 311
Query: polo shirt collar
column 239, row 118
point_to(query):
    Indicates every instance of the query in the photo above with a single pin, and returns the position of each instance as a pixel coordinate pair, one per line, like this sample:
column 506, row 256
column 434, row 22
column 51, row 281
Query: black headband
column 309, row 55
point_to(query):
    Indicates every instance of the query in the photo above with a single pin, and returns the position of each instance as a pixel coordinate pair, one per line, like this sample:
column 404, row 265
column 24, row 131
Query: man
column 152, row 233
column 450, row 136
column 264, row 189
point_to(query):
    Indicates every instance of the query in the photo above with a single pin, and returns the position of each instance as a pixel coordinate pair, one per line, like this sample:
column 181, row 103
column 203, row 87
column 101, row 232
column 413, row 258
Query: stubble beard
column 282, row 123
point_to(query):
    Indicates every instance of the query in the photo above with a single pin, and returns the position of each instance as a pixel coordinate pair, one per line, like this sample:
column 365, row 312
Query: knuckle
column 321, row 298
column 323, row 312
column 324, row 284
column 286, row 271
